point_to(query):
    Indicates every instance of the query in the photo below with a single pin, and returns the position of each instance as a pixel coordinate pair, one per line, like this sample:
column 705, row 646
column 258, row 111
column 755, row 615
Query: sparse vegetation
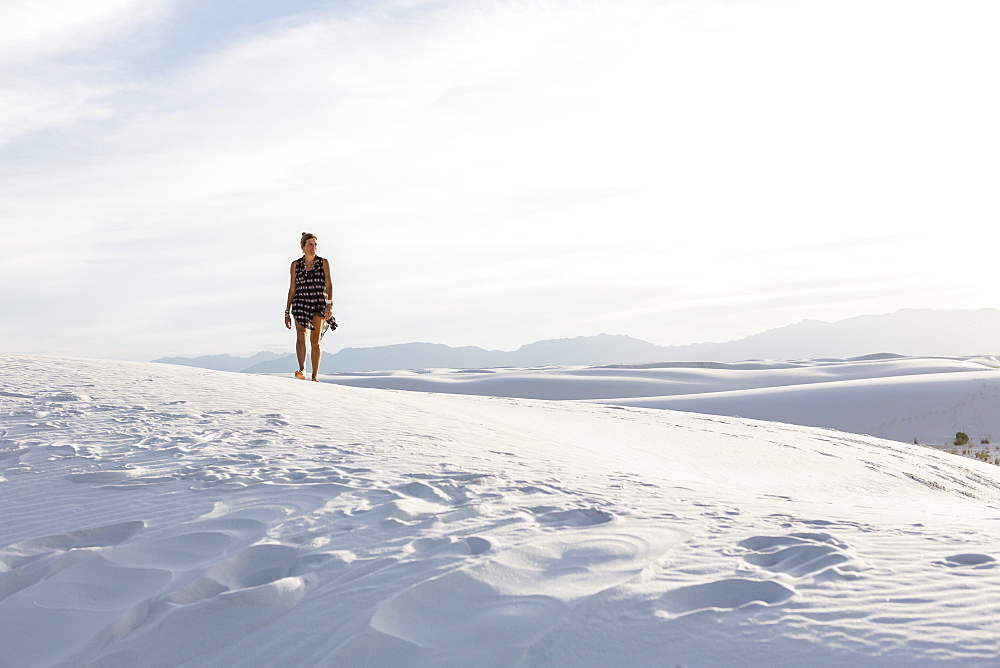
column 962, row 446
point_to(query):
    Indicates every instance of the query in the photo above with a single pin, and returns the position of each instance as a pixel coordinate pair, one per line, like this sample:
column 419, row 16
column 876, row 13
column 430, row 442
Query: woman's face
column 310, row 247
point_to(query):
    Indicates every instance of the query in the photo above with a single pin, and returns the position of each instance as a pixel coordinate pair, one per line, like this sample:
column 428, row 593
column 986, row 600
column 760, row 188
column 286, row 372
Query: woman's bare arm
column 291, row 294
column 328, row 290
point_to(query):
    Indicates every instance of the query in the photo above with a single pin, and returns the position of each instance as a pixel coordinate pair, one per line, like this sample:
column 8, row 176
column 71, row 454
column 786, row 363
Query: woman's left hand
column 328, row 313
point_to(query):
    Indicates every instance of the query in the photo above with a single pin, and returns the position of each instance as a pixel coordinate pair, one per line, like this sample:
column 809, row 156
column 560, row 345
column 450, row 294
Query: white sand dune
column 899, row 398
column 167, row 516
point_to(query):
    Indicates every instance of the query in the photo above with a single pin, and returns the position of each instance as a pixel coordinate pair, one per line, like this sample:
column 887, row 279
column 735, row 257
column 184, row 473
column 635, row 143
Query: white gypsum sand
column 899, row 398
column 156, row 515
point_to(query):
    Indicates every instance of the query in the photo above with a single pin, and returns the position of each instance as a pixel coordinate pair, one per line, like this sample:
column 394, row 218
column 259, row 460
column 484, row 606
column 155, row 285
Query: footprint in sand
column 253, row 566
column 730, row 594
column 452, row 489
column 25, row 563
column 448, row 499
column 800, row 554
column 64, row 396
column 574, row 517
column 794, row 556
column 156, row 593
column 976, row 561
column 60, row 584
column 494, row 608
column 242, row 588
column 421, row 490
column 245, row 592
column 469, row 546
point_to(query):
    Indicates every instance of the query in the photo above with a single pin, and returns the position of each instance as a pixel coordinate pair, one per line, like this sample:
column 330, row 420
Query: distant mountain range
column 224, row 362
column 906, row 332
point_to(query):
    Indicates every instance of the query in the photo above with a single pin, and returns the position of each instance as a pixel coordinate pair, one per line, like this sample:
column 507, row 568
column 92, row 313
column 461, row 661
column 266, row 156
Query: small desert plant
column 984, row 440
column 984, row 455
column 961, row 438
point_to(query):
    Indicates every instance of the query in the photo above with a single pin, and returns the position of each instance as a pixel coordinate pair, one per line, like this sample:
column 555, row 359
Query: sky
column 489, row 173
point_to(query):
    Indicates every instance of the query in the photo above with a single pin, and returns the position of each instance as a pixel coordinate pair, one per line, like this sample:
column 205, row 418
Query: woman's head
column 306, row 238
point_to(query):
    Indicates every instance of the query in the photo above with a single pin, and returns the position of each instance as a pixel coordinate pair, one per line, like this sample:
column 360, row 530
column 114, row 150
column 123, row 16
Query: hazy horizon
column 489, row 174
column 904, row 333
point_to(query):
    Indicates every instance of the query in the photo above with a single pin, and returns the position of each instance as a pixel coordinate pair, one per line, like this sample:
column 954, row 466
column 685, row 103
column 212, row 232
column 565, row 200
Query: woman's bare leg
column 314, row 338
column 300, row 348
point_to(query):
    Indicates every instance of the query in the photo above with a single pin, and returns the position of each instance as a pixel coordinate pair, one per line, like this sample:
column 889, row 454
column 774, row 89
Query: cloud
column 493, row 170
column 838, row 245
column 33, row 30
column 53, row 75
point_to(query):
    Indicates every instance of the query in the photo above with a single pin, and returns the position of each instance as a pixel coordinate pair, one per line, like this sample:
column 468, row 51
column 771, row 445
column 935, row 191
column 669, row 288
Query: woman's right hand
column 288, row 321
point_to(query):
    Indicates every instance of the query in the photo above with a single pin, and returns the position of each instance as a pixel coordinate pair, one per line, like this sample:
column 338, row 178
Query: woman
column 310, row 302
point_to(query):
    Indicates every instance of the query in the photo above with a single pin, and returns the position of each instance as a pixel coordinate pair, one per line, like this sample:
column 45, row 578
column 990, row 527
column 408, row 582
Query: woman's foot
column 315, row 379
column 301, row 376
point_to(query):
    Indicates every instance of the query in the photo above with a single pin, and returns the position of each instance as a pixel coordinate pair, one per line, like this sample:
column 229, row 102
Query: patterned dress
column 310, row 294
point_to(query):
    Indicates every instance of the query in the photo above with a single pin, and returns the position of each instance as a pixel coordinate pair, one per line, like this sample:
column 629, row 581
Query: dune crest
column 161, row 515
column 929, row 399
